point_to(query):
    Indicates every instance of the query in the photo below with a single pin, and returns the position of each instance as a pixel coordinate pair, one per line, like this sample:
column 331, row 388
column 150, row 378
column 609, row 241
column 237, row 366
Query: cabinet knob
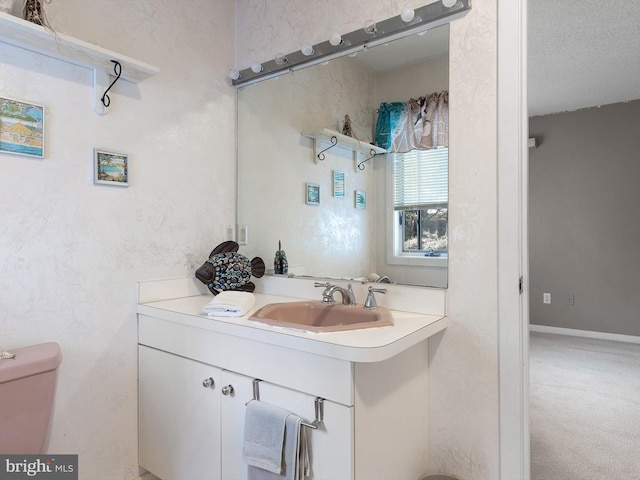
column 227, row 390
column 208, row 383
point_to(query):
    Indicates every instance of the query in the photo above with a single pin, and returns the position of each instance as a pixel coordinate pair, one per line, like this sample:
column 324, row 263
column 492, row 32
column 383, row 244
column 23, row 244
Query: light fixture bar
column 426, row 18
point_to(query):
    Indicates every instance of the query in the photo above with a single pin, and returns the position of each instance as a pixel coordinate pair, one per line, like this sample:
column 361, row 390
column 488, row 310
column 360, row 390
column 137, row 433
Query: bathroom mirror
column 333, row 219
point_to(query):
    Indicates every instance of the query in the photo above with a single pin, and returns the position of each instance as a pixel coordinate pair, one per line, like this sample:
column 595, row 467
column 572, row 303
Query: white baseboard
column 585, row 333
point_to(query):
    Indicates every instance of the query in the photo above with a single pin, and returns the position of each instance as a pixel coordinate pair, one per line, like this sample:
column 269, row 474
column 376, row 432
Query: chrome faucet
column 348, row 297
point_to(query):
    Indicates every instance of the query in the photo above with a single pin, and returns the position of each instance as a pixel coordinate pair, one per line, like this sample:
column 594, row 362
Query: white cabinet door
column 331, row 445
column 179, row 417
column 232, row 424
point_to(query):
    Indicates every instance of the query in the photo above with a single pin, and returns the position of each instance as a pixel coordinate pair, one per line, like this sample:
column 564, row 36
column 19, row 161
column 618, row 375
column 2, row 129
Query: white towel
column 264, row 436
column 230, row 304
column 295, row 459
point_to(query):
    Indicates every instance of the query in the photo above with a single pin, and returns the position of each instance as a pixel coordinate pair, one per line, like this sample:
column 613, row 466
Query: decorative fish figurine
column 33, row 12
column 226, row 269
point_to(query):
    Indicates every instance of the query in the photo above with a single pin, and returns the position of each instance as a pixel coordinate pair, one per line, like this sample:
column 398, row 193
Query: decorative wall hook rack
column 29, row 36
column 322, row 136
column 319, row 406
column 117, row 70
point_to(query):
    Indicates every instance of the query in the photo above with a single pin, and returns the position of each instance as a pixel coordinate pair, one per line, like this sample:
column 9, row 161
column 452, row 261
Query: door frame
column 513, row 281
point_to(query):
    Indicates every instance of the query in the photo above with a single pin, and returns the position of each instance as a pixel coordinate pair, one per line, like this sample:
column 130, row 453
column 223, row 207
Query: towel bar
column 319, row 406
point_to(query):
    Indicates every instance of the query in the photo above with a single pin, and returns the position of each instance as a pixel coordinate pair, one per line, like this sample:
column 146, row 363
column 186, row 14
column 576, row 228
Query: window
column 421, row 196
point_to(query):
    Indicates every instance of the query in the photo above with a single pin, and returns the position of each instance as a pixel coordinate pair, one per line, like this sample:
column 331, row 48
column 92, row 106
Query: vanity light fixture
column 335, row 39
column 281, row 59
column 425, row 18
column 256, row 68
column 407, row 14
column 234, row 74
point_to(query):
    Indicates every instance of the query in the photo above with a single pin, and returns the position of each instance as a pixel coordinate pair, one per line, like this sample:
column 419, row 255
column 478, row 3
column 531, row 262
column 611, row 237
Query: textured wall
column 464, row 360
column 584, row 225
column 71, row 251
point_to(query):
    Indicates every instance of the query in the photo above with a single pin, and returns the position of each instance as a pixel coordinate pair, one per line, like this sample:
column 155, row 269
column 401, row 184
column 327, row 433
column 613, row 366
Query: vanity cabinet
column 191, row 421
column 375, row 424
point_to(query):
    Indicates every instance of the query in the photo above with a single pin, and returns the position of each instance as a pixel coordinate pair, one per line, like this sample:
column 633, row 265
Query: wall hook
column 117, row 70
column 334, row 142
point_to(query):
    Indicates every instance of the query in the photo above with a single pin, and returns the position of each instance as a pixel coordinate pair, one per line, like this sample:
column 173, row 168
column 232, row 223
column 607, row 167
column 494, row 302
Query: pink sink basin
column 316, row 316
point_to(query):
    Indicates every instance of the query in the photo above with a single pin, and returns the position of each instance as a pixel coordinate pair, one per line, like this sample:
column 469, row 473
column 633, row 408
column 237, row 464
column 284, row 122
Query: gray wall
column 584, row 223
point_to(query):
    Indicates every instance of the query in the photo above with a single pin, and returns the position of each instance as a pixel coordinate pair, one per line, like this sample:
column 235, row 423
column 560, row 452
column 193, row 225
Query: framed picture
column 110, row 168
column 338, row 184
column 21, row 128
column 360, row 199
column 313, row 194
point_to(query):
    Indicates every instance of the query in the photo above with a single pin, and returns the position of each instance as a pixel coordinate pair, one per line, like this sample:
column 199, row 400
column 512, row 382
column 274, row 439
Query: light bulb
column 407, row 14
column 256, row 68
column 449, row 3
column 281, row 59
column 370, row 27
column 307, row 49
column 335, row 39
column 234, row 74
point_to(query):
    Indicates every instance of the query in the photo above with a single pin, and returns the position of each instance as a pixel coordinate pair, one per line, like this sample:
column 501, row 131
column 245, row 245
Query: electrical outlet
column 227, row 232
column 243, row 234
column 546, row 298
column 571, row 300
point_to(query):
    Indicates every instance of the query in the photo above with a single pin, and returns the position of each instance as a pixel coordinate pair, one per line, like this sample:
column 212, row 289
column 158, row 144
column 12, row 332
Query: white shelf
column 344, row 141
column 29, row 36
column 323, row 138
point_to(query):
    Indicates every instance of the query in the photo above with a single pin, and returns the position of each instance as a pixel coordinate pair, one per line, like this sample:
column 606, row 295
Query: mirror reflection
column 350, row 216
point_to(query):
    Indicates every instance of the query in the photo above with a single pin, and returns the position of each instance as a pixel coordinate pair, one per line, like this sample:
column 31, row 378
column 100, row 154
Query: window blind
column 421, row 178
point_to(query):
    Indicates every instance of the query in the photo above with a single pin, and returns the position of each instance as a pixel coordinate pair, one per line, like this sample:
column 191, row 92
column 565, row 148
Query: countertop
column 363, row 345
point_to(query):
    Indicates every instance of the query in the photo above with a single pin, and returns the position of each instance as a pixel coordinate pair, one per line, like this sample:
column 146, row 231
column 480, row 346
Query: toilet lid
column 30, row 360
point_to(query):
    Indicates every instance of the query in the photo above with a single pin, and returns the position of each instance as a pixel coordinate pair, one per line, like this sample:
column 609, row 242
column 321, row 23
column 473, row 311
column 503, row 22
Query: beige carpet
column 585, row 408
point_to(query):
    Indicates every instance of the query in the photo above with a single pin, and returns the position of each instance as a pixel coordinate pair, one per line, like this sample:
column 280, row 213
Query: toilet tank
column 27, row 387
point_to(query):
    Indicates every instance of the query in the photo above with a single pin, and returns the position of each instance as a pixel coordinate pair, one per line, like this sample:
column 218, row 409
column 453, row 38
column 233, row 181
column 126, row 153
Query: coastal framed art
column 21, row 128
column 338, row 184
column 360, row 198
column 313, row 194
column 110, row 168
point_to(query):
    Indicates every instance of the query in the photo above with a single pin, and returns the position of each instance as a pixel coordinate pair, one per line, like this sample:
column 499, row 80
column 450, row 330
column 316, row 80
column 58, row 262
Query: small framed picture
column 360, row 199
column 313, row 194
column 338, row 184
column 21, row 128
column 110, row 168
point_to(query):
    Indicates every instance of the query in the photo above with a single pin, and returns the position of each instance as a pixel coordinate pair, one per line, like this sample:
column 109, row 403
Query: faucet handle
column 370, row 302
column 352, row 296
column 320, row 284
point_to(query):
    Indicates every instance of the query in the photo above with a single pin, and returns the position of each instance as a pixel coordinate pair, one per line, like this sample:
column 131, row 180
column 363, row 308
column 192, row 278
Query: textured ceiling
column 582, row 53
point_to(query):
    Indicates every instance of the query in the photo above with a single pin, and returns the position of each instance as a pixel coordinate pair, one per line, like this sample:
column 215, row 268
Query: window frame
column 394, row 251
